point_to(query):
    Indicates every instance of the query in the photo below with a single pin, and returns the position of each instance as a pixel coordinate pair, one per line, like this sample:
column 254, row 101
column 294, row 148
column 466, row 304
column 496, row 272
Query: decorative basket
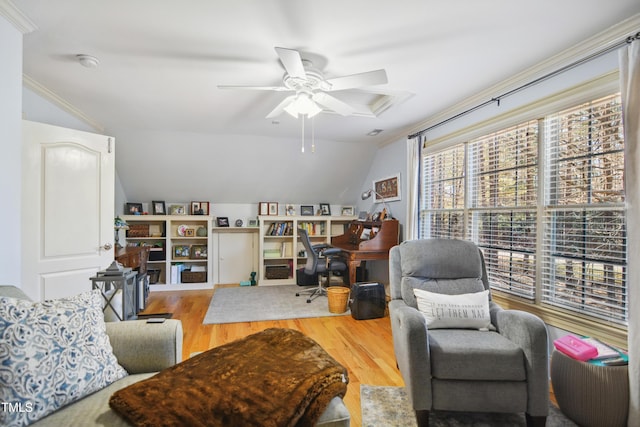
column 194, row 276
column 138, row 230
column 338, row 297
column 276, row 272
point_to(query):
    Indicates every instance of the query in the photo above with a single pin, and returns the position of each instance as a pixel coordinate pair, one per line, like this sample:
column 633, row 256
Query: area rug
column 390, row 407
column 257, row 303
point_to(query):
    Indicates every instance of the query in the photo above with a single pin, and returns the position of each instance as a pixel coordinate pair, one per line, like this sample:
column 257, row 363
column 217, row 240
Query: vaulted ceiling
column 160, row 63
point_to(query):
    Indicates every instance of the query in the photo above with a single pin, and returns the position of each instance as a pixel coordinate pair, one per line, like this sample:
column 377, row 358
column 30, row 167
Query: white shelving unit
column 279, row 245
column 178, row 242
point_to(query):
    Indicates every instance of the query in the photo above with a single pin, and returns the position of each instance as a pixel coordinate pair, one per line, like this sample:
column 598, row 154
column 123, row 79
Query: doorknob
column 107, row 246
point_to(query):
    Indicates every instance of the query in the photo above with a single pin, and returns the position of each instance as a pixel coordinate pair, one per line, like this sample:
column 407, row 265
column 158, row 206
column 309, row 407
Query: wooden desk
column 366, row 241
column 134, row 257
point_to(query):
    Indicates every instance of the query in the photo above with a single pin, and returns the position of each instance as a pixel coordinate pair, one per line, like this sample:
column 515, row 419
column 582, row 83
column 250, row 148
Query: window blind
column 442, row 213
column 503, row 169
column 584, row 246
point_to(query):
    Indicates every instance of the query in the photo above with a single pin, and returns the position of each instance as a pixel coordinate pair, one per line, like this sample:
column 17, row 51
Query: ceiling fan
column 311, row 88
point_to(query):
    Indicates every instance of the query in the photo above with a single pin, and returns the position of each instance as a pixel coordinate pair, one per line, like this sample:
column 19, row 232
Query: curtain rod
column 561, row 70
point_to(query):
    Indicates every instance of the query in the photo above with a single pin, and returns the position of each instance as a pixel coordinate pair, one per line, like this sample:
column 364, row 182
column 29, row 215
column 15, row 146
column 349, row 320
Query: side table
column 590, row 395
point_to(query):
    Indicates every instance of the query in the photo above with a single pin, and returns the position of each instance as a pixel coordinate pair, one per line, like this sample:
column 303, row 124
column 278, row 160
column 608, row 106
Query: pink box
column 575, row 348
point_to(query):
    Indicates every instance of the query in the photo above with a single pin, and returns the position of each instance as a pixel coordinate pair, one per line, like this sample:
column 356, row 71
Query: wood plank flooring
column 364, row 347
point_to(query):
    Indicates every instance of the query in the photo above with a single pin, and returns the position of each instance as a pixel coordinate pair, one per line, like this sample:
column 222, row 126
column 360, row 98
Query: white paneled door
column 67, row 209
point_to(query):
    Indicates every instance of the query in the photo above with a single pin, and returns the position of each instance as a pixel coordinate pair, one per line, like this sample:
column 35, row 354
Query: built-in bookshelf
column 180, row 247
column 281, row 251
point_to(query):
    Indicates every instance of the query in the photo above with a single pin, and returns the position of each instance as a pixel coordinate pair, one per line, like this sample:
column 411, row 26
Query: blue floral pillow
column 52, row 353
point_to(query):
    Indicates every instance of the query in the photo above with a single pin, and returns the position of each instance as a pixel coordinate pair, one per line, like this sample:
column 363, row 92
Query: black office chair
column 322, row 260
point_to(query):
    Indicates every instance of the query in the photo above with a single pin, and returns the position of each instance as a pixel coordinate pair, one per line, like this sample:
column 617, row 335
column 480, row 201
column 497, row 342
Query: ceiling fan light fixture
column 88, row 61
column 303, row 104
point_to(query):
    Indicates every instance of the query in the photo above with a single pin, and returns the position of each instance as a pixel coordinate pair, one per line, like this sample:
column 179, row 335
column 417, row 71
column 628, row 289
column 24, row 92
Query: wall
column 390, row 160
column 10, row 160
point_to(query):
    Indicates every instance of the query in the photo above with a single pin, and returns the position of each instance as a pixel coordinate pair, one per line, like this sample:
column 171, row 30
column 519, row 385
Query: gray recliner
column 505, row 370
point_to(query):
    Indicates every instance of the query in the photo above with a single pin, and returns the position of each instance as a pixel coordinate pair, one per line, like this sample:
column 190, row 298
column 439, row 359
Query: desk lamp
column 368, row 194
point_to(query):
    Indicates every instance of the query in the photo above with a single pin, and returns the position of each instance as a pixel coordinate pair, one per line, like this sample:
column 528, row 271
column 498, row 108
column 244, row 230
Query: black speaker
column 367, row 301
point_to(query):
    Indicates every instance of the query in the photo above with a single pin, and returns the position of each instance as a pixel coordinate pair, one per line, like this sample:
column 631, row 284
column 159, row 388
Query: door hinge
column 109, row 141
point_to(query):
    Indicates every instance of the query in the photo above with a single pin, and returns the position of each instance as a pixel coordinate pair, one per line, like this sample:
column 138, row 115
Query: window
column 544, row 201
column 584, row 266
column 443, row 194
column 503, row 169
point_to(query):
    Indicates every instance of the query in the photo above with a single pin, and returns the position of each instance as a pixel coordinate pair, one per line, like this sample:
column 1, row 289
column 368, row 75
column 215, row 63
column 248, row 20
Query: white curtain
column 413, row 187
column 630, row 87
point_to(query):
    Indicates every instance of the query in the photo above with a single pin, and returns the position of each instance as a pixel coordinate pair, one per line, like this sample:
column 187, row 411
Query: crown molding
column 603, row 40
column 60, row 102
column 15, row 16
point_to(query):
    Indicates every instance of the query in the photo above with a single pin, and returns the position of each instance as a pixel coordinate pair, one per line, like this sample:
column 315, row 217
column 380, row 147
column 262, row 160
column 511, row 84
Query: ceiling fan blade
column 369, row 78
column 280, row 107
column 274, row 88
column 333, row 104
column 292, row 62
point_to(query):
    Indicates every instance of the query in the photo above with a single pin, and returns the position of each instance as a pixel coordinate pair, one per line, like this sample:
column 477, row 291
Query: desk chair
column 323, row 260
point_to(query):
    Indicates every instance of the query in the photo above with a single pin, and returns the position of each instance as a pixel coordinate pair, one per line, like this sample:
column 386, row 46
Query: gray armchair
column 505, row 370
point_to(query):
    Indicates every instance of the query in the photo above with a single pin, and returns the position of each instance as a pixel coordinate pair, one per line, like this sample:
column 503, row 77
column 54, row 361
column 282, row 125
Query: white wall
column 10, row 160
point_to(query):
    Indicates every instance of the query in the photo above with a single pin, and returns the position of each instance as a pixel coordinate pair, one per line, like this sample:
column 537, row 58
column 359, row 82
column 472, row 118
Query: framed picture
column 347, row 211
column 325, row 209
column 222, row 221
column 158, row 208
column 199, row 208
column 181, row 251
column 189, row 232
column 178, row 210
column 388, row 188
column 195, row 208
column 134, row 208
column 290, row 210
column 263, row 208
column 273, row 208
column 306, row 210
column 199, row 252
column 253, row 223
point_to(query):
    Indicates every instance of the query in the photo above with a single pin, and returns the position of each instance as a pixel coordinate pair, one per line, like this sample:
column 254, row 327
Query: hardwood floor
column 364, row 347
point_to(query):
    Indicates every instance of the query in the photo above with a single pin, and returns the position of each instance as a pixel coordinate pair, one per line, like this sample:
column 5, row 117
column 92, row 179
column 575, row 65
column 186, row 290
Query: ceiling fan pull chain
column 302, row 148
column 313, row 136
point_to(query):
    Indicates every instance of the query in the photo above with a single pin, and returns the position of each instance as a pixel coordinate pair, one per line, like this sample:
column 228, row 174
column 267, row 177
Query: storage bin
column 154, row 275
column 193, row 276
column 276, row 272
column 138, row 230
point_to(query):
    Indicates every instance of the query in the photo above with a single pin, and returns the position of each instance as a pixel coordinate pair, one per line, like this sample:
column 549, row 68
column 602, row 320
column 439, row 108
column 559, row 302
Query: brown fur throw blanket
column 277, row 377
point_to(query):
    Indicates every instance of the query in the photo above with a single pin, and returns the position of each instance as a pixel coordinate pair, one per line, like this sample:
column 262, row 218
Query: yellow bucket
column 338, row 298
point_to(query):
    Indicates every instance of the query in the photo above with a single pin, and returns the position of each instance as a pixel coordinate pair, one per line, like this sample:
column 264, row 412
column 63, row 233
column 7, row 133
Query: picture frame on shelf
column 306, row 210
column 134, row 208
column 263, row 208
column 199, row 208
column 252, row 223
column 195, row 208
column 273, row 208
column 222, row 221
column 387, row 189
column 158, row 207
column 325, row 209
column 198, row 252
column 290, row 210
column 178, row 210
column 189, row 232
column 181, row 252
column 347, row 211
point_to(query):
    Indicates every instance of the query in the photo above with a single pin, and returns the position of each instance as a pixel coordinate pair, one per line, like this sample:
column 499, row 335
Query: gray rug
column 390, row 407
column 256, row 303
